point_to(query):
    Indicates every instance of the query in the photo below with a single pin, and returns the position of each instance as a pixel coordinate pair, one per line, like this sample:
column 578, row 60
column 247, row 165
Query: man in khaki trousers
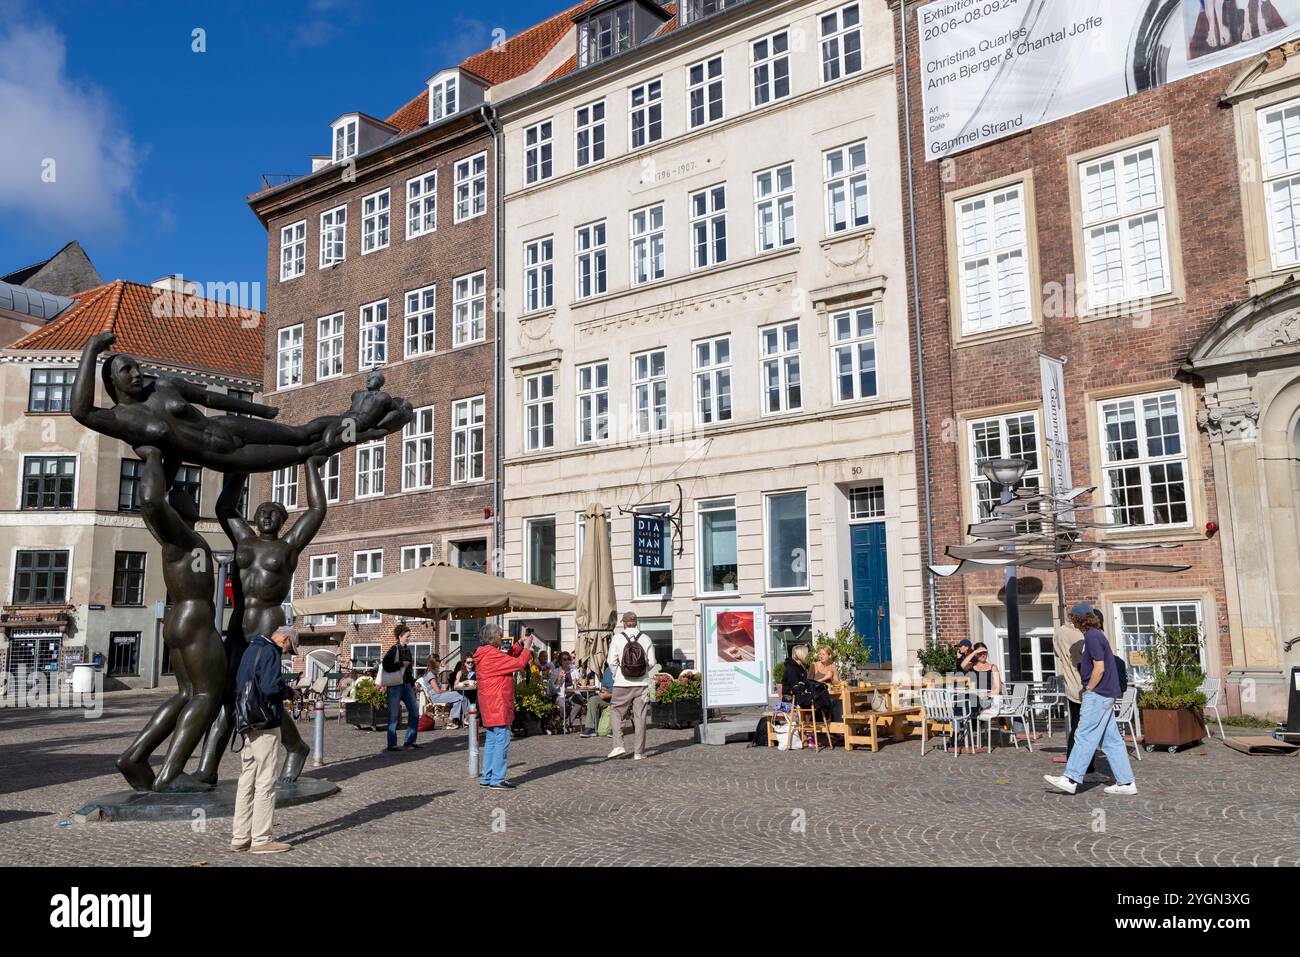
column 260, row 758
column 631, row 692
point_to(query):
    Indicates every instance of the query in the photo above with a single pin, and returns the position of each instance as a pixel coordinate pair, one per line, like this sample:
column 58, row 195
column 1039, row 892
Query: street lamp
column 1006, row 474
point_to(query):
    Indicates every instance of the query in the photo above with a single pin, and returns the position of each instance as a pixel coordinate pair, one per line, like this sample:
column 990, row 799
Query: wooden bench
column 863, row 727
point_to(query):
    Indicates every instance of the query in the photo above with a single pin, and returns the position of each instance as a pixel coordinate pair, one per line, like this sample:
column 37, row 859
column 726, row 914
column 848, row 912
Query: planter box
column 676, row 714
column 370, row 718
column 1172, row 729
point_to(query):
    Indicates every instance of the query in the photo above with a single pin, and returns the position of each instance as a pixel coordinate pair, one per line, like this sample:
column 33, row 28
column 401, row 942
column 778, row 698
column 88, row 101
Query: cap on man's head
column 965, row 642
column 1082, row 610
column 291, row 634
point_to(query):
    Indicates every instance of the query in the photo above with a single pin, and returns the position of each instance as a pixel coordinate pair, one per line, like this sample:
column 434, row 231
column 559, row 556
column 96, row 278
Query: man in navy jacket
column 260, row 757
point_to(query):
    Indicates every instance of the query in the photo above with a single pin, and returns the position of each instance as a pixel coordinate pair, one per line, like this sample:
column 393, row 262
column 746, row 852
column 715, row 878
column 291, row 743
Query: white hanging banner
column 1056, row 432
column 993, row 68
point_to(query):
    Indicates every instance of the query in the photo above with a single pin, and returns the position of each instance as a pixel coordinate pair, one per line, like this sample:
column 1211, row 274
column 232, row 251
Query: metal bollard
column 318, row 745
column 473, row 739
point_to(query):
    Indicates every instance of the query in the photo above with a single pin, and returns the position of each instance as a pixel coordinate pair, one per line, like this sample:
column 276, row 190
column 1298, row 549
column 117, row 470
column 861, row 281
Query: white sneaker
column 616, row 753
column 638, row 757
column 1130, row 788
column 1061, row 783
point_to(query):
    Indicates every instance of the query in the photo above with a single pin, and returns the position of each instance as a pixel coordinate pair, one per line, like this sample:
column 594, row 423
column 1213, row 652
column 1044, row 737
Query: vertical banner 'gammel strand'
column 993, row 68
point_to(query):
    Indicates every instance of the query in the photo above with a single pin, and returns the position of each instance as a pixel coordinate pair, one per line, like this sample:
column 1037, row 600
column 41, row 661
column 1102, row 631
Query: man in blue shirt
column 1097, row 725
column 598, row 703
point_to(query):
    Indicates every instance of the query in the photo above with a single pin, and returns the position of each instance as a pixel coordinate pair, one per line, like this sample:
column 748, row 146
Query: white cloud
column 50, row 117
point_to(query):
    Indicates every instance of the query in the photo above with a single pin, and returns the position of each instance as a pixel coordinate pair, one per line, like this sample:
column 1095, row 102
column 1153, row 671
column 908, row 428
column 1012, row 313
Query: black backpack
column 632, row 662
column 253, row 711
column 1121, row 670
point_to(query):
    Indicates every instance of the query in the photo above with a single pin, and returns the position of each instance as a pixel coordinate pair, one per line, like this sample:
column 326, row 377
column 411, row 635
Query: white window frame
column 444, row 98
column 346, row 137
column 649, row 241
column 539, row 154
column 769, row 61
column 711, row 381
column 329, row 347
column 706, row 87
column 780, row 358
column 1144, row 461
column 589, row 392
column 413, row 557
column 980, row 244
column 284, row 487
column 724, row 504
column 331, row 477
column 537, row 405
column 845, row 181
column 469, row 309
column 1009, row 446
column 285, row 377
column 711, row 223
column 1160, row 609
column 372, row 339
column 539, row 274
column 372, row 650
column 1281, row 176
column 832, row 42
column 418, row 450
column 293, row 250
column 318, row 575
column 422, row 204
column 873, row 493
column 616, row 24
column 591, row 260
column 471, row 187
column 528, row 549
column 589, row 138
column 853, row 342
column 369, row 575
column 420, row 321
column 649, row 385
column 376, row 221
column 333, row 236
column 769, row 542
column 774, row 200
column 468, row 440
column 648, row 114
column 369, row 465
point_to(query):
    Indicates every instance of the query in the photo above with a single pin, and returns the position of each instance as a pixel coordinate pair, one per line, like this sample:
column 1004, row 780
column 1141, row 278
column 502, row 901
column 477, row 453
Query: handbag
column 391, row 679
column 785, row 741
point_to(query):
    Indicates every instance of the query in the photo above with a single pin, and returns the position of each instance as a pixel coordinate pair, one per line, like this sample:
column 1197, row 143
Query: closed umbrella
column 597, row 605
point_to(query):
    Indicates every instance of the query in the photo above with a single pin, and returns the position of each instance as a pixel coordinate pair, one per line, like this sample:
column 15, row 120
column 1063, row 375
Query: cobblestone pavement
column 686, row 804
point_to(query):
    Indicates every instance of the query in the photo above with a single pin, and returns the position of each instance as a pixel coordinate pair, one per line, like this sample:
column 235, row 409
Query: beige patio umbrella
column 436, row 590
column 597, row 605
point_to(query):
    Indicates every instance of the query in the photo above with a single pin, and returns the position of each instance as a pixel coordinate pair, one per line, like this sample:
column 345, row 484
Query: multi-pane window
column 1138, row 622
column 374, row 334
column 365, row 656
column 329, row 476
column 1013, row 436
column 345, row 140
column 867, row 502
column 329, row 346
column 471, row 187
column 469, row 309
column 774, row 207
column 189, row 479
column 41, row 577
column 650, row 391
column 293, row 250
column 539, row 534
column 719, row 564
column 444, row 98
column 539, row 411
column 846, row 188
column 603, row 36
column 49, row 482
column 414, row 556
column 778, row 348
column 128, row 578
column 647, row 244
column 539, row 274
column 709, row 226
column 656, row 582
column 539, row 152
column 333, row 236
column 591, row 260
column 467, row 439
column 993, row 260
column 284, row 486
column 853, row 353
column 288, row 356
column 770, row 67
column 1125, row 237
column 370, row 469
column 422, row 204
column 593, row 402
column 322, row 576
column 417, row 450
column 1144, row 458
column 704, row 91
column 787, row 541
column 367, row 566
column 713, row 380
column 128, row 486
column 1279, row 148
column 646, row 113
column 421, row 320
column 50, row 390
column 375, row 221
column 589, row 133
column 841, row 43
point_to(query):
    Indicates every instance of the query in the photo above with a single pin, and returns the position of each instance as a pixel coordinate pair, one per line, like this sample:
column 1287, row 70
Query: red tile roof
column 154, row 324
column 571, row 64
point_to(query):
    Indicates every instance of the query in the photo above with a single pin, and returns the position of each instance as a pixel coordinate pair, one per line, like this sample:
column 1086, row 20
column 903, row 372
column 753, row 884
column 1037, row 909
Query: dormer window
column 454, row 91
column 444, row 98
column 345, row 140
column 693, row 10
column 605, row 35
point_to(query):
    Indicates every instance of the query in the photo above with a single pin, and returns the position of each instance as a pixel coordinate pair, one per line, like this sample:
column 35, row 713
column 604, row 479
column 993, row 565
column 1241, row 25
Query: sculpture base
column 219, row 802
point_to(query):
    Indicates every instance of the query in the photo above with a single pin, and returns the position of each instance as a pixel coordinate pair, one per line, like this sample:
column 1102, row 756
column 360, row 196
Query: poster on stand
column 735, row 656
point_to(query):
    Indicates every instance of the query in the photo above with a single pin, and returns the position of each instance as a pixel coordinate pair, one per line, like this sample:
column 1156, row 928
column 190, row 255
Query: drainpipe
column 916, row 307
column 489, row 115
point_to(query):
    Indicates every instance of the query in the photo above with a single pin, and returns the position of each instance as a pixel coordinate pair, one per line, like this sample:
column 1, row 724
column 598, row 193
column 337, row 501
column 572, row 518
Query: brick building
column 1025, row 217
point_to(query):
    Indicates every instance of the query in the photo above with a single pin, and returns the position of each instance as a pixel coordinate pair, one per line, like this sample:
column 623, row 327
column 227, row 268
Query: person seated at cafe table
column 986, row 679
column 824, row 668
column 797, row 683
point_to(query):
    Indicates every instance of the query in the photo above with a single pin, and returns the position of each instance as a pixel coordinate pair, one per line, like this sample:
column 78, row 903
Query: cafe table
column 861, row 724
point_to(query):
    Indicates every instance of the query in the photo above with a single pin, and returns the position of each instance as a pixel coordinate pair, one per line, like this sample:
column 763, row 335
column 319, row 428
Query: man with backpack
column 260, row 691
column 632, row 659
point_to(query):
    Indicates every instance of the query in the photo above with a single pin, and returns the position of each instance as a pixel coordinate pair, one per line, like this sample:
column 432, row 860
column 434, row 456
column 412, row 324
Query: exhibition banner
column 1056, row 435
column 993, row 68
column 735, row 654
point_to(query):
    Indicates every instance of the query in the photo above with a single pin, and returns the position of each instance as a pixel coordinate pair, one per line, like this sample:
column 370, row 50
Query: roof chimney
column 178, row 284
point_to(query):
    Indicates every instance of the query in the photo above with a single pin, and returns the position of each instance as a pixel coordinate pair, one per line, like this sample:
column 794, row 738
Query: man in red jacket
column 495, row 670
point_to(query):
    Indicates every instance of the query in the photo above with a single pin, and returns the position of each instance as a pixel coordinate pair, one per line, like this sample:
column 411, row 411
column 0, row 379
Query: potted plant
column 938, row 658
column 848, row 650
column 677, row 702
column 533, row 705
column 1171, row 704
column 370, row 709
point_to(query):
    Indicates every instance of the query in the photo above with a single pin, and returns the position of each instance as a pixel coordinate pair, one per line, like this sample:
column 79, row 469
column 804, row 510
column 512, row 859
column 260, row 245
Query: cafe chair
column 1211, row 687
column 937, row 709
column 1126, row 713
column 1014, row 706
column 807, row 722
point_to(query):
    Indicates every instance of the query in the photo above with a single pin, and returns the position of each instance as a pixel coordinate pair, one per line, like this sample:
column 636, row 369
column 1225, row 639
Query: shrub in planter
column 940, row 658
column 677, row 703
column 533, row 704
column 370, row 709
column 1171, row 706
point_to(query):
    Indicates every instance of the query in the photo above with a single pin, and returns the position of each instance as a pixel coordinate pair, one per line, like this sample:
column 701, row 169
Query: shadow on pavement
column 367, row 815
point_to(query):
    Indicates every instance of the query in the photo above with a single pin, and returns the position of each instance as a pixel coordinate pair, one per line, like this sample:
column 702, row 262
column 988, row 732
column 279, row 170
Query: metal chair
column 937, row 707
column 1013, row 706
column 1211, row 688
column 1126, row 712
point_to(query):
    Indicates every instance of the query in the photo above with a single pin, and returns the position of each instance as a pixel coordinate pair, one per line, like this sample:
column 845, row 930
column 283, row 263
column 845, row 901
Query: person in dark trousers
column 260, row 756
column 399, row 656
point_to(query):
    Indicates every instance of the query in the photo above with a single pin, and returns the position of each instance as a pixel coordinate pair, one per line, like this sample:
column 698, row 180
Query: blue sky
column 155, row 146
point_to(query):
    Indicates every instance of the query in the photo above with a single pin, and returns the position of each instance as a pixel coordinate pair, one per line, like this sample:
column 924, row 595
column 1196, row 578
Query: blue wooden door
column 871, row 588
